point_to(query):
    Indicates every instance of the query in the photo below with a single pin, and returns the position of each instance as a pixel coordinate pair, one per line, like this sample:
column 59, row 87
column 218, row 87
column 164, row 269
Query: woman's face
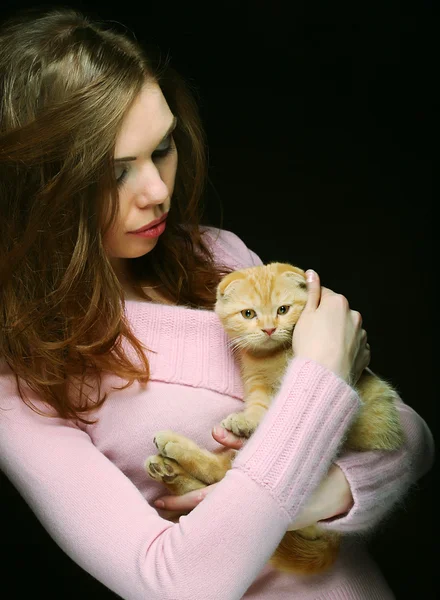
column 145, row 167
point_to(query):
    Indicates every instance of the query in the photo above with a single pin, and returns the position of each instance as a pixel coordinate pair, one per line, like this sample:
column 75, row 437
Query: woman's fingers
column 184, row 503
column 363, row 357
column 225, row 437
column 313, row 289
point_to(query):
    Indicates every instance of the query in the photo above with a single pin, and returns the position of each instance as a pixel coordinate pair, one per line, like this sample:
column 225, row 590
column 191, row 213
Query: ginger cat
column 259, row 307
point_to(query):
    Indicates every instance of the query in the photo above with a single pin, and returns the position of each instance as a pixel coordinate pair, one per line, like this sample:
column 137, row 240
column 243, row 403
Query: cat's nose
column 269, row 331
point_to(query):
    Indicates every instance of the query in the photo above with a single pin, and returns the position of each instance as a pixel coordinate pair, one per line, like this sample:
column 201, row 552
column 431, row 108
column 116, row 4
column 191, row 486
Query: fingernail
column 159, row 504
column 220, row 432
column 310, row 275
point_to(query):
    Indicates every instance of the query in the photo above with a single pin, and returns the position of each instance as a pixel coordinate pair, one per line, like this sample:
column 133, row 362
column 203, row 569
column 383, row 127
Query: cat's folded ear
column 288, row 268
column 228, row 283
column 291, row 272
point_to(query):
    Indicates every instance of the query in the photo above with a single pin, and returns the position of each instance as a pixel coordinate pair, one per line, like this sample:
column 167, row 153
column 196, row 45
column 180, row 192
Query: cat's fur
column 250, row 301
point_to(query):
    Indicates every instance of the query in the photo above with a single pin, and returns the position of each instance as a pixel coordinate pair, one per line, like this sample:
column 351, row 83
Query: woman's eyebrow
column 171, row 128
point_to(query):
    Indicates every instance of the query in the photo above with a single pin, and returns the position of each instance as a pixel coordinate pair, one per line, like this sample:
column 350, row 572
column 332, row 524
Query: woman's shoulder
column 229, row 249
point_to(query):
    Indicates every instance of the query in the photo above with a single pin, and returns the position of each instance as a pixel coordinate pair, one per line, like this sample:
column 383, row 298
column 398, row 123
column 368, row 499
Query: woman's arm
column 360, row 489
column 102, row 522
column 100, row 519
column 332, row 497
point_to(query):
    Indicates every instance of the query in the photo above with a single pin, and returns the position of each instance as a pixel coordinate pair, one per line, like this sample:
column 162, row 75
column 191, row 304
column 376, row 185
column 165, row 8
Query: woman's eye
column 165, row 148
column 121, row 175
column 248, row 313
column 162, row 151
column 282, row 310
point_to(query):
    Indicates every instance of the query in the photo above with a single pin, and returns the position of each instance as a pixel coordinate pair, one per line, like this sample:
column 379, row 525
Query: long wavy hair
column 66, row 83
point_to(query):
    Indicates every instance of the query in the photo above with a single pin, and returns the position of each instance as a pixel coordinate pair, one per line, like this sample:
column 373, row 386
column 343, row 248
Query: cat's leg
column 306, row 552
column 201, row 464
column 244, row 423
column 378, row 425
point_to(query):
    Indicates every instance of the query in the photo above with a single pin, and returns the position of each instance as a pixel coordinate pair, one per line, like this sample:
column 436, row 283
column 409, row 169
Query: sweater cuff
column 300, row 435
column 379, row 479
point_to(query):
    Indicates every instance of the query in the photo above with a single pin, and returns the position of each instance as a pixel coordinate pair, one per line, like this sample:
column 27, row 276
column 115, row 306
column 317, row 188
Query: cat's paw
column 240, row 424
column 179, row 477
column 162, row 469
column 172, row 444
column 168, row 472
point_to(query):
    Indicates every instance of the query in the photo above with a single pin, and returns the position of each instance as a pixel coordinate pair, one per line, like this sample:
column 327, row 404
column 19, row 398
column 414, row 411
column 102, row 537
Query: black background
column 318, row 118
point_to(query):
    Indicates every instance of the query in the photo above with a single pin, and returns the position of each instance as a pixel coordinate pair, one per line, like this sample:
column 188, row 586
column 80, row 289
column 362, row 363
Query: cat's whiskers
column 235, row 348
column 234, row 340
column 284, row 335
column 237, row 343
column 244, row 344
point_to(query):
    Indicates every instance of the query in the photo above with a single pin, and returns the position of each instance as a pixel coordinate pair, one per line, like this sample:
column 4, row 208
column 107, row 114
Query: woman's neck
column 152, row 292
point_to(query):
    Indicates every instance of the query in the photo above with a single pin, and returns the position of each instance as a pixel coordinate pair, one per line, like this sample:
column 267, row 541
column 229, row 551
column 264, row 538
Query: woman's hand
column 331, row 498
column 330, row 333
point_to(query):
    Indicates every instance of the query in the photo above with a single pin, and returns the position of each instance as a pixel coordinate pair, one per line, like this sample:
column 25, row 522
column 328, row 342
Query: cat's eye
column 248, row 313
column 283, row 310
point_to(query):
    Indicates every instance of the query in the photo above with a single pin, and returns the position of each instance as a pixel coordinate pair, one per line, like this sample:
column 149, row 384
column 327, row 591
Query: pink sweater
column 87, row 485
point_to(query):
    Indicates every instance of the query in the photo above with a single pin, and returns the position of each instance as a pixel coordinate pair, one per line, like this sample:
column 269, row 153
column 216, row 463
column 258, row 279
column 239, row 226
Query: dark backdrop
column 317, row 119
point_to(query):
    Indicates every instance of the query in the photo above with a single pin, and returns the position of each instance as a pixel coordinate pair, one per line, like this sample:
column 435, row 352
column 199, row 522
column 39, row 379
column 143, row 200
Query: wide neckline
column 187, row 346
column 133, row 305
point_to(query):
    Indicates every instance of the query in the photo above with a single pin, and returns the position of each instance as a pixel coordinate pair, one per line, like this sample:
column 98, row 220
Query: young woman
column 97, row 142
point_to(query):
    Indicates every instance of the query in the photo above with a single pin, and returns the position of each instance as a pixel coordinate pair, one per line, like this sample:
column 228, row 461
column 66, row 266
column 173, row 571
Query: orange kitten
column 259, row 308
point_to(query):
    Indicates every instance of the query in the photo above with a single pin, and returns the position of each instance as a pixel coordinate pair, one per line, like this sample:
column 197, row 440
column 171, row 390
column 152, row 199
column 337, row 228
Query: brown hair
column 66, row 83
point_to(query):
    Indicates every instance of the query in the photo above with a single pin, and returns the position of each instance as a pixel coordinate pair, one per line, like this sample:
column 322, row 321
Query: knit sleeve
column 101, row 520
column 380, row 480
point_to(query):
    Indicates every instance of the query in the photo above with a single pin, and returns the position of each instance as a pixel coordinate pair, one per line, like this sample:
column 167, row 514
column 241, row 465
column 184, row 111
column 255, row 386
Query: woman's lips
column 152, row 232
column 152, row 224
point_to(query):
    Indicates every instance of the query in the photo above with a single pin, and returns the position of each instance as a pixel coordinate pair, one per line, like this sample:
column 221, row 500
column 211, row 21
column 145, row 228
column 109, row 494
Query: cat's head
column 260, row 306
